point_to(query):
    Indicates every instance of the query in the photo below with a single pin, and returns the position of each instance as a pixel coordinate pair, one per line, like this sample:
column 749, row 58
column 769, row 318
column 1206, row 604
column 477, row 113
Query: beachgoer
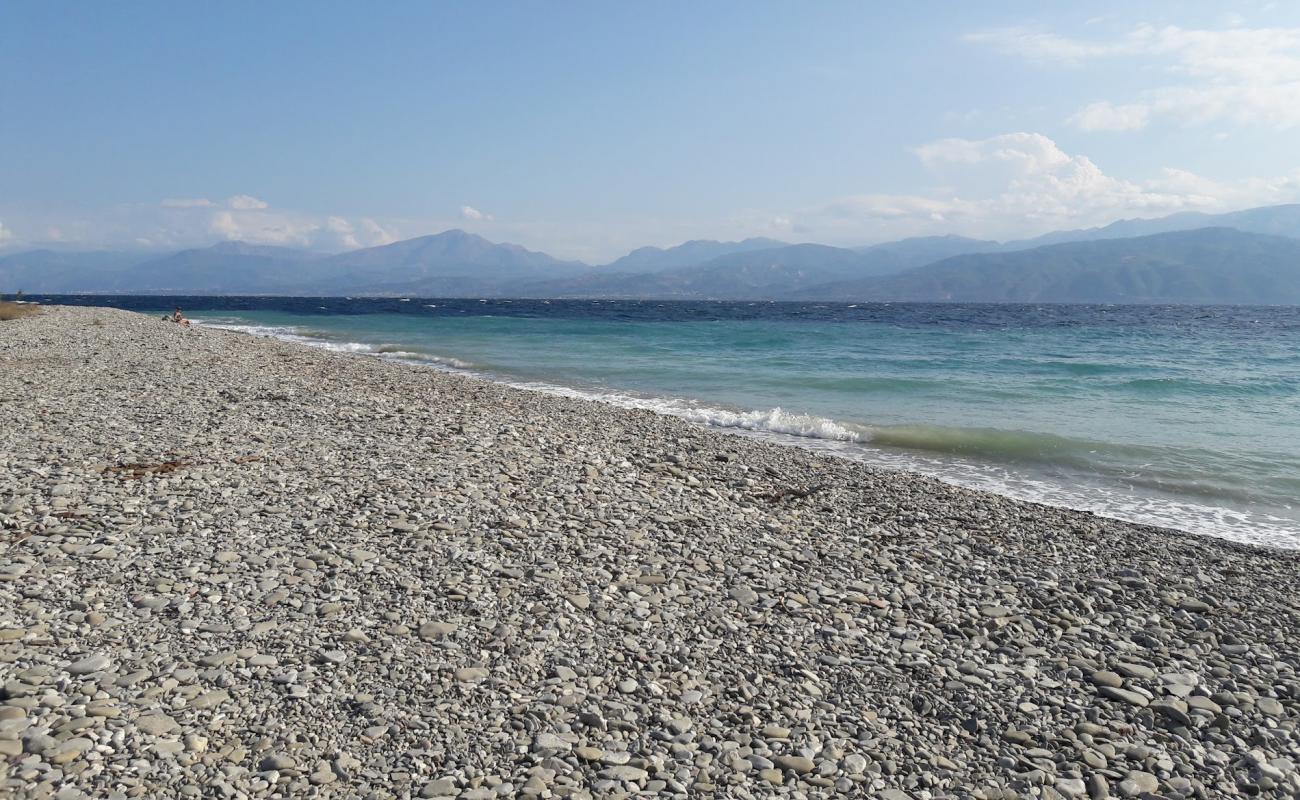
column 177, row 317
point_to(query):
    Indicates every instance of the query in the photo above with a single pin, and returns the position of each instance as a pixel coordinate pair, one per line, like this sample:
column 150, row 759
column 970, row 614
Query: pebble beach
column 237, row 567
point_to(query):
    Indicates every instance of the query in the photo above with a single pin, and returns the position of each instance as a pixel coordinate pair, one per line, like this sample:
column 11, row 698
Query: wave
column 333, row 341
column 774, row 420
column 979, row 458
column 1180, row 386
column 1105, row 478
column 995, row 444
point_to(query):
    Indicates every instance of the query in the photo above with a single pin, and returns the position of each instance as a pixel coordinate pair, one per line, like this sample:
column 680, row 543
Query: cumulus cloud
column 1244, row 76
column 374, row 234
column 293, row 229
column 186, row 202
column 244, row 202
column 889, row 207
column 1023, row 183
column 1030, row 175
column 1104, row 116
column 342, row 232
column 473, row 214
column 192, row 222
column 246, row 218
column 1039, row 45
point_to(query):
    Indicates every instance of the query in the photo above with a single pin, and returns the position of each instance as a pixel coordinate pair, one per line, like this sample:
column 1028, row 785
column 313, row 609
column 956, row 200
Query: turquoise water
column 1181, row 417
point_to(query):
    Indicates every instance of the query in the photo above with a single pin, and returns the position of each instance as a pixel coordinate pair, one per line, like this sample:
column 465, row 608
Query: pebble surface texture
column 237, row 567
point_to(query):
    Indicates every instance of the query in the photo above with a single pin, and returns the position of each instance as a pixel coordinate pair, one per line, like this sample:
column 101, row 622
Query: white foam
column 853, row 441
column 291, row 334
column 847, row 440
column 773, row 420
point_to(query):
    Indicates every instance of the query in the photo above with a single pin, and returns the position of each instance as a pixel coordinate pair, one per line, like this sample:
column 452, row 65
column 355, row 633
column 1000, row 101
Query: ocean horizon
column 1176, row 416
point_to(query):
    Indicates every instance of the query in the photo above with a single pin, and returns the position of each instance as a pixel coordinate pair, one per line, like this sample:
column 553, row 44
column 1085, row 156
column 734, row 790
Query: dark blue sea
column 1186, row 417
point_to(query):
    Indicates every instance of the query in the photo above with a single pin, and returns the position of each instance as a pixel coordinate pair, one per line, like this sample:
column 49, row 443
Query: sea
column 1177, row 416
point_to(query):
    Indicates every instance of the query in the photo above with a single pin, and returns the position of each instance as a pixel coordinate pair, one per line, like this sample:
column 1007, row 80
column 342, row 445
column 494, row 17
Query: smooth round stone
column 797, row 764
column 96, row 663
column 278, row 762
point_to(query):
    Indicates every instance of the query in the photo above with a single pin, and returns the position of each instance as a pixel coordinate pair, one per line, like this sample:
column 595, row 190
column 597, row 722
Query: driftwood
column 141, row 470
column 138, row 471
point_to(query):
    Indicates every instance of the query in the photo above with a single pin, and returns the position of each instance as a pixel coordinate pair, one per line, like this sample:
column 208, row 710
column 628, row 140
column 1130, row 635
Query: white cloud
column 244, row 202
column 186, row 202
column 258, row 226
column 337, row 234
column 172, row 224
column 1181, row 181
column 1244, row 76
column 888, row 207
column 225, row 226
column 1008, row 186
column 262, row 225
column 1021, row 184
column 1104, row 116
column 1038, row 45
column 473, row 214
column 375, row 234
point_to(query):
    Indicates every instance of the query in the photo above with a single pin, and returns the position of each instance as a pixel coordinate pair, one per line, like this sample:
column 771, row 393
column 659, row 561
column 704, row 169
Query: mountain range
column 1244, row 257
column 1203, row 266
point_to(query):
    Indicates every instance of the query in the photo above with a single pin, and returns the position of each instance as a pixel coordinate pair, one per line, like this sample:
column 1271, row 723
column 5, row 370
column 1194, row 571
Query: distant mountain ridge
column 686, row 254
column 449, row 261
column 1283, row 220
column 452, row 262
column 762, row 274
column 46, row 270
column 1241, row 257
column 1201, row 266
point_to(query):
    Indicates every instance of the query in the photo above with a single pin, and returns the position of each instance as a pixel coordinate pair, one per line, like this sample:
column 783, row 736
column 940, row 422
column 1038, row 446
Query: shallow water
column 1186, row 417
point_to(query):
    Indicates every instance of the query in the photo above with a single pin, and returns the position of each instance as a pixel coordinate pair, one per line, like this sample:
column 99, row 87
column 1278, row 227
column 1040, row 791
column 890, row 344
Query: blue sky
column 586, row 129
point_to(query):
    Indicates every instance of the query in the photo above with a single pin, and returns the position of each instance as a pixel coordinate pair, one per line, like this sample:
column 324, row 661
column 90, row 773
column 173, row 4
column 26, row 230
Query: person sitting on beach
column 177, row 317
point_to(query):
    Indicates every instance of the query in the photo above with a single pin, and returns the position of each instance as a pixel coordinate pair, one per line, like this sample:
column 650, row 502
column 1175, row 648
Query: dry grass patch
column 10, row 310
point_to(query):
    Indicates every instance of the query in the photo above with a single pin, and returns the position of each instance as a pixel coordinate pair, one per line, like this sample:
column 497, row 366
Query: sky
column 586, row 129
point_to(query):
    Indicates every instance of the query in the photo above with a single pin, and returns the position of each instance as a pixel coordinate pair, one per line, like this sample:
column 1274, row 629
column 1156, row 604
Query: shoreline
column 837, row 438
column 427, row 583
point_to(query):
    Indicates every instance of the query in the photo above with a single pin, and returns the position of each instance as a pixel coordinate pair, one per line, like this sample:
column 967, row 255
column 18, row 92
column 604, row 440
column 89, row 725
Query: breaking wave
column 1044, row 468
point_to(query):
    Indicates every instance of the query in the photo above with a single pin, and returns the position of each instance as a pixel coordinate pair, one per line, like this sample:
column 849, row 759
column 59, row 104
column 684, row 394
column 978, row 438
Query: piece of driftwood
column 137, row 471
column 141, row 470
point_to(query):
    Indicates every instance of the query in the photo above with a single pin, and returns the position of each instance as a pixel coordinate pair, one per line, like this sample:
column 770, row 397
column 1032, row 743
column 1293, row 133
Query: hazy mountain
column 452, row 263
column 759, row 274
column 52, row 271
column 226, row 268
column 238, row 248
column 447, row 253
column 1126, row 261
column 687, row 254
column 768, row 274
column 914, row 252
column 1281, row 220
column 1208, row 265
